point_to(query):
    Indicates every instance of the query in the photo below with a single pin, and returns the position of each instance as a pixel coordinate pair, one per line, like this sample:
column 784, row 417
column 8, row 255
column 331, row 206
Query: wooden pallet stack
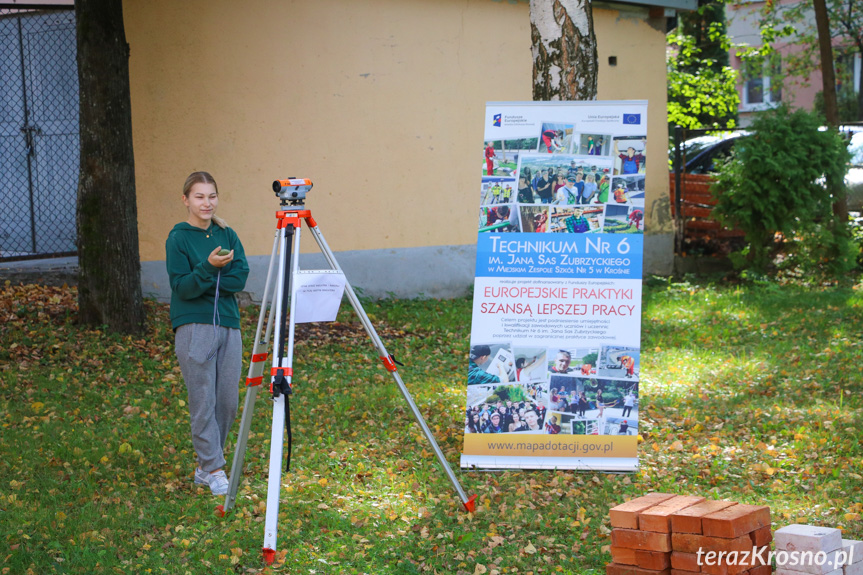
column 666, row 534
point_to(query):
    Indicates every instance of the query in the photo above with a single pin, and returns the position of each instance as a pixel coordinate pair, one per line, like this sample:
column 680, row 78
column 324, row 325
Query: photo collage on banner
column 554, row 360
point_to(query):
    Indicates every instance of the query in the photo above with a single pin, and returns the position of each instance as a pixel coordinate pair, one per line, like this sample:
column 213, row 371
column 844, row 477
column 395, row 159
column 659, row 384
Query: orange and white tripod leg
column 283, row 358
column 253, row 383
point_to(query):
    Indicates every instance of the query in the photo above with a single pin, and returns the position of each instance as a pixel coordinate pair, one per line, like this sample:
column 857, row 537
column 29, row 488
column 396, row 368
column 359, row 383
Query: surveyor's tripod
column 286, row 242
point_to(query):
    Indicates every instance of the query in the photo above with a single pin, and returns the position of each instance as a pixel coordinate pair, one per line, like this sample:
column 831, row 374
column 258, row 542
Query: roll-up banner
column 555, row 345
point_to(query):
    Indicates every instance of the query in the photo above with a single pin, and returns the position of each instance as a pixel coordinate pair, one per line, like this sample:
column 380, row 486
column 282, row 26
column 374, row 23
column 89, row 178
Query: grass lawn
column 750, row 393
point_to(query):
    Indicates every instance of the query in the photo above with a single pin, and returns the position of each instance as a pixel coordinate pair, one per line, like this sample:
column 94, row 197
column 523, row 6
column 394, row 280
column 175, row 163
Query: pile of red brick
column 664, row 534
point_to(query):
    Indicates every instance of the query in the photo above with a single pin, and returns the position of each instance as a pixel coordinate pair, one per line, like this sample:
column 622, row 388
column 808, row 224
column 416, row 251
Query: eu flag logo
column 632, row 118
column 497, row 120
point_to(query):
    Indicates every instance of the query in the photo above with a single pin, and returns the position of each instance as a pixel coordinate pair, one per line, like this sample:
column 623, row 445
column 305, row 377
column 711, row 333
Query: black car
column 704, row 154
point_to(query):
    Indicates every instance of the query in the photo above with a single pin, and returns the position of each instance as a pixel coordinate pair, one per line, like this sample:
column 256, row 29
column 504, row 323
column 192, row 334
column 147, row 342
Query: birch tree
column 564, row 50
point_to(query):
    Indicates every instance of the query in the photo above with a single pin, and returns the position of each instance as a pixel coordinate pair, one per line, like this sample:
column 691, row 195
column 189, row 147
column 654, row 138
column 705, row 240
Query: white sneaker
column 217, row 481
column 201, row 476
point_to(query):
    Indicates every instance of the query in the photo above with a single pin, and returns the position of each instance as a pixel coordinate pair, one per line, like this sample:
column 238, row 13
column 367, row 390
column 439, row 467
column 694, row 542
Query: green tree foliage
column 707, row 27
column 508, row 393
column 773, row 189
column 701, row 85
column 794, row 24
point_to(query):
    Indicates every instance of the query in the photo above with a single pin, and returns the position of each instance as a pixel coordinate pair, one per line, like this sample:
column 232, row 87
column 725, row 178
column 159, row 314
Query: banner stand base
column 601, row 464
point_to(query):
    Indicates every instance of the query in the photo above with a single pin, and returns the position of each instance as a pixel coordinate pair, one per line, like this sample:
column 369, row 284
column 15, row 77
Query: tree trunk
column 828, row 74
column 831, row 110
column 109, row 282
column 564, row 50
column 859, row 84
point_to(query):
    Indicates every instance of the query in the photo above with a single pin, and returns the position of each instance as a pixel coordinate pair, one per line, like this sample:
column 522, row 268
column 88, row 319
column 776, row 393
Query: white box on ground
column 853, row 550
column 807, row 538
column 810, row 562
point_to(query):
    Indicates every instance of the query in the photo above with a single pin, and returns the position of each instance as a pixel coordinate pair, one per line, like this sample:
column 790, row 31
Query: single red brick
column 724, row 569
column 625, row 515
column 618, row 569
column 691, row 543
column 644, row 540
column 762, row 570
column 735, row 521
column 622, row 555
column 652, row 559
column 658, row 517
column 682, row 572
column 685, row 561
column 689, row 520
column 761, row 537
column 734, row 563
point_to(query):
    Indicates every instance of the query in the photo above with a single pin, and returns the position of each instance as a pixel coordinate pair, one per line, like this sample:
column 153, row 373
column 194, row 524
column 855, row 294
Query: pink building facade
column 760, row 92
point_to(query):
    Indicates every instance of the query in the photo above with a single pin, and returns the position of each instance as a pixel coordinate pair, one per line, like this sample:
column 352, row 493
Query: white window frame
column 767, row 100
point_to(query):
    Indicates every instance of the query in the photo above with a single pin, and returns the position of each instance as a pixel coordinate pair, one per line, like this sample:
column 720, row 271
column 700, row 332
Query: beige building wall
column 379, row 102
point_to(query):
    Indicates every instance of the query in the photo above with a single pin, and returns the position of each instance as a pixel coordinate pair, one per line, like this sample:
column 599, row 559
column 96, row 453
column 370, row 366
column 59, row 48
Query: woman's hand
column 220, row 261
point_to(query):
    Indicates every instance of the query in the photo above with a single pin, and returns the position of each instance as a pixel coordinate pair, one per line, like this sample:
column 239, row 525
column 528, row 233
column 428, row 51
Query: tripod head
column 293, row 190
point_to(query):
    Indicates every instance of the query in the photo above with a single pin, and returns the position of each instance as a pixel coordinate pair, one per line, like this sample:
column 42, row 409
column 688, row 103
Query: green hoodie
column 193, row 278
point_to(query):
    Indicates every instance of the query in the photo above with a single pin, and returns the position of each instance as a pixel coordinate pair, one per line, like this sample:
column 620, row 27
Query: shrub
column 773, row 189
column 512, row 393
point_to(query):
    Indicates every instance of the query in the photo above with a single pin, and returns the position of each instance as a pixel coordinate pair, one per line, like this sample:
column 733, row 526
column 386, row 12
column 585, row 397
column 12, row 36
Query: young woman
column 600, row 405
column 473, row 424
column 590, row 188
column 541, row 222
column 517, row 423
column 525, row 194
column 206, row 267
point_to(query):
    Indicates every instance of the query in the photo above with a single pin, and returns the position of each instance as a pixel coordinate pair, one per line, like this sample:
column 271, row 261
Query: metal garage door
column 39, row 148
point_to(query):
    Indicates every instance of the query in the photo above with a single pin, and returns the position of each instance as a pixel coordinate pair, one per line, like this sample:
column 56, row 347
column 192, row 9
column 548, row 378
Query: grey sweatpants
column 212, row 385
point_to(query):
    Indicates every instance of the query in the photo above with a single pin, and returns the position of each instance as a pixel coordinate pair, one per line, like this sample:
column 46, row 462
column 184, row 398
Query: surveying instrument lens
column 292, row 189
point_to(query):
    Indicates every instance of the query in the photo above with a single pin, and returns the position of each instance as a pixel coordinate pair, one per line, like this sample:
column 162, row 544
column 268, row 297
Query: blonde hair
column 203, row 178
